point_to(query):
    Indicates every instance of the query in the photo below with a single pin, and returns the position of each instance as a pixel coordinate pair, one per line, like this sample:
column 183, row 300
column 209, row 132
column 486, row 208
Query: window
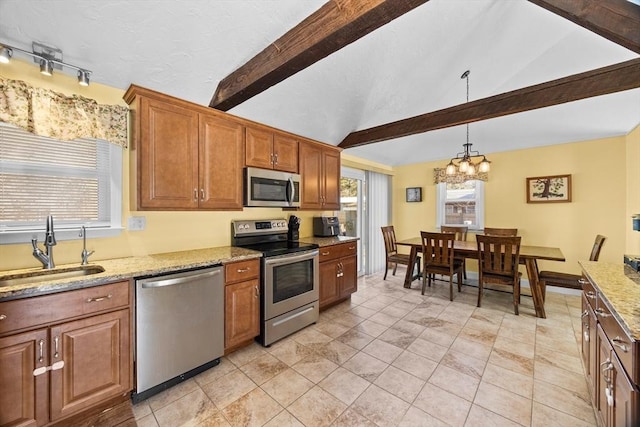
column 461, row 204
column 79, row 182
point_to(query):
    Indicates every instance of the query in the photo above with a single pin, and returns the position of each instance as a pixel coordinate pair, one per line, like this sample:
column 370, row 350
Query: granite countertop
column 619, row 286
column 328, row 241
column 126, row 268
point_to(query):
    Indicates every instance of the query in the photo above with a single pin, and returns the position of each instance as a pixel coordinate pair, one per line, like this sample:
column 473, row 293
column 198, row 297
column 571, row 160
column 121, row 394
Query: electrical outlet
column 137, row 223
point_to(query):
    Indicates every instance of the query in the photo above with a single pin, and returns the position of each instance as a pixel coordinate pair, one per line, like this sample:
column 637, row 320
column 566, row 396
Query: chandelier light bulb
column 471, row 169
column 451, row 168
column 484, row 165
column 464, row 165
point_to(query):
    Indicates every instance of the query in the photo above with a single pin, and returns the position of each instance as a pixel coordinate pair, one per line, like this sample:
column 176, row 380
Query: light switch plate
column 137, row 223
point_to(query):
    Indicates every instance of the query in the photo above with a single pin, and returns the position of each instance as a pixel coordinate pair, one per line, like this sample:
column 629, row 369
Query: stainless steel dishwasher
column 179, row 328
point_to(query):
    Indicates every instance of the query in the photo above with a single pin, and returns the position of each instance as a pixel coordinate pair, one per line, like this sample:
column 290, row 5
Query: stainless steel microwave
column 264, row 187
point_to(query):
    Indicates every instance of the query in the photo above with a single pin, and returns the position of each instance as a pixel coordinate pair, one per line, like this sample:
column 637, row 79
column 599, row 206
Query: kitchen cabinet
column 242, row 303
column 320, row 171
column 64, row 353
column 270, row 150
column 185, row 158
column 610, row 358
column 338, row 273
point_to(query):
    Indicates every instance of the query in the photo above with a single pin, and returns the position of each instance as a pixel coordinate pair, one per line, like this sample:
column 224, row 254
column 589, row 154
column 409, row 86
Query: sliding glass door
column 352, row 209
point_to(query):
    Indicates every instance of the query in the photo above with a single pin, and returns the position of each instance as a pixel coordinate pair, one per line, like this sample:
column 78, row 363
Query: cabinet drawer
column 589, row 292
column 338, row 251
column 625, row 348
column 31, row 312
column 241, row 271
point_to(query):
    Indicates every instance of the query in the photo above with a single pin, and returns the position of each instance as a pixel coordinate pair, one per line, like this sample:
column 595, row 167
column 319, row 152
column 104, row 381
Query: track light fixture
column 47, row 57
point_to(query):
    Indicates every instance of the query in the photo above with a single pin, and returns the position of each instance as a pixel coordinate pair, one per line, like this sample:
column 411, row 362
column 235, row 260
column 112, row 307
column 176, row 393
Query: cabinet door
column 328, row 277
column 242, row 312
column 97, row 362
column 221, row 158
column 310, row 156
column 331, row 179
column 589, row 339
column 285, row 150
column 349, row 279
column 259, row 148
column 167, row 156
column 24, row 398
column 625, row 409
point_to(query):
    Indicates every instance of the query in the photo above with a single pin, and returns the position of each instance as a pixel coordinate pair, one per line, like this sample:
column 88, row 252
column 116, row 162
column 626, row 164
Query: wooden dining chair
column 461, row 235
column 498, row 259
column 567, row 280
column 438, row 255
column 391, row 252
column 508, row 232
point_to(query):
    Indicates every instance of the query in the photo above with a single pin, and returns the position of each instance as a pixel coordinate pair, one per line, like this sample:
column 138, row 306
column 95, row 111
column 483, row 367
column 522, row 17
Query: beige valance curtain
column 48, row 113
column 440, row 175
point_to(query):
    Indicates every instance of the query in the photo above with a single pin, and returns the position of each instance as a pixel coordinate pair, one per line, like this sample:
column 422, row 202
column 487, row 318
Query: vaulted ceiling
column 408, row 67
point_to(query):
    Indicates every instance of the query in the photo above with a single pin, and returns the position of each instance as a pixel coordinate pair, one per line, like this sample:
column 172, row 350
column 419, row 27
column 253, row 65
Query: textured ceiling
column 407, row 67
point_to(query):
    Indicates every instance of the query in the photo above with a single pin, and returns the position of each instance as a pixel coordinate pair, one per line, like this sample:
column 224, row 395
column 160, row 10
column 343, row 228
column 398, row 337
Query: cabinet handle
column 590, row 295
column 257, row 291
column 600, row 312
column 3, row 316
column 620, row 343
column 585, row 314
column 202, row 194
column 55, row 347
column 195, row 194
column 351, row 248
column 271, row 159
column 243, row 270
column 41, row 345
column 98, row 299
column 582, row 281
column 275, row 156
column 325, row 253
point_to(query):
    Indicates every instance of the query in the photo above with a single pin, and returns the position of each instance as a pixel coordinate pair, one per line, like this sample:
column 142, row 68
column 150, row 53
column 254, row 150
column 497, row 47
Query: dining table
column 529, row 255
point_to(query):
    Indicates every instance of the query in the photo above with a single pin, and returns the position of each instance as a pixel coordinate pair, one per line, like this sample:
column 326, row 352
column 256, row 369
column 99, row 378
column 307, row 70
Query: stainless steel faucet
column 46, row 258
column 85, row 255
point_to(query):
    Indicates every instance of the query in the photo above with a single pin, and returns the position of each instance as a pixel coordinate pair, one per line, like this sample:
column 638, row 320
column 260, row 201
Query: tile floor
column 391, row 357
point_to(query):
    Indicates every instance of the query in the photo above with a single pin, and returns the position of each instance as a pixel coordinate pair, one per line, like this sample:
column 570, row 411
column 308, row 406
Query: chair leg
column 395, row 267
column 464, row 269
column 424, row 283
column 543, row 288
column 451, row 288
column 459, row 283
column 480, row 292
column 516, row 297
column 386, row 268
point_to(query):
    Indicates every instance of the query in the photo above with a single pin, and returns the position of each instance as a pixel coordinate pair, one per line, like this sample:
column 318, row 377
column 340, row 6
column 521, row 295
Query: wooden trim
column 602, row 81
column 335, row 25
column 615, row 20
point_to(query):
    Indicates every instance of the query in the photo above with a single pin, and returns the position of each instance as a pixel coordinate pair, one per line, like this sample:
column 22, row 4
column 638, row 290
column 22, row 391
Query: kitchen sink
column 41, row 276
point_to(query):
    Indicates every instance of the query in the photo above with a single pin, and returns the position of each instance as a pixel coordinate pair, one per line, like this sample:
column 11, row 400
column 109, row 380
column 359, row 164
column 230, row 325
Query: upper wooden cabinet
column 185, row 157
column 270, row 150
column 320, row 170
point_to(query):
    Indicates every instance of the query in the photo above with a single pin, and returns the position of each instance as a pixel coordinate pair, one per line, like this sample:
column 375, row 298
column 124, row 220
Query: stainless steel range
column 290, row 277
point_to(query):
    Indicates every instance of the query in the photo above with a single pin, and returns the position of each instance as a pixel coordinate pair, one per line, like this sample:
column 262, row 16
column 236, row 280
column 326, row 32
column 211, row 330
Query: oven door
column 289, row 282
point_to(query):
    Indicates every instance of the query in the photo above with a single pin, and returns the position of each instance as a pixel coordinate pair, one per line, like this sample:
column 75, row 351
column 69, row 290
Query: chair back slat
column 437, row 248
column 460, row 232
column 389, row 235
column 498, row 255
column 488, row 231
column 597, row 246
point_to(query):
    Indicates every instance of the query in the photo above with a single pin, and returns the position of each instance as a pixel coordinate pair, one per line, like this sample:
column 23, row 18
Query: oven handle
column 288, row 259
column 292, row 191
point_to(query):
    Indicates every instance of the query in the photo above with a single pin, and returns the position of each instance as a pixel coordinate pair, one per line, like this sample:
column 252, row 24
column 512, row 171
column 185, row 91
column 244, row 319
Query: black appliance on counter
column 293, row 234
column 633, row 261
column 326, row 226
column 289, row 276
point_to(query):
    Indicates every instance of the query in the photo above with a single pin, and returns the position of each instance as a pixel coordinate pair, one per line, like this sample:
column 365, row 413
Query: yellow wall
column 633, row 190
column 164, row 232
column 599, row 198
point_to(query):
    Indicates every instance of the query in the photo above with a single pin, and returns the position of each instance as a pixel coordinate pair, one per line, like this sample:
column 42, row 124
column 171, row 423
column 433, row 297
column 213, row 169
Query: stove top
column 266, row 236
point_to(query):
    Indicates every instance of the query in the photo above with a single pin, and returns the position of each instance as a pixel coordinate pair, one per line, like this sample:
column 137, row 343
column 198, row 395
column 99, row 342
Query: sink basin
column 41, row 276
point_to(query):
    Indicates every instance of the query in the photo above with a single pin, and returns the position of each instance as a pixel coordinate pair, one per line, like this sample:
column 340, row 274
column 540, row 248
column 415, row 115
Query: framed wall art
column 549, row 189
column 414, row 194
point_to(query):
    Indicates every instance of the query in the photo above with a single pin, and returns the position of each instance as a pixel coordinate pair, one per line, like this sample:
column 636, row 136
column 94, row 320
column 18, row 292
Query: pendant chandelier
column 464, row 162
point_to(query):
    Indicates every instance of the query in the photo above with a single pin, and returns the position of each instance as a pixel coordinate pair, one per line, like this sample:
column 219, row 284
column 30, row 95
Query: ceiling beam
column 616, row 20
column 602, row 81
column 335, row 25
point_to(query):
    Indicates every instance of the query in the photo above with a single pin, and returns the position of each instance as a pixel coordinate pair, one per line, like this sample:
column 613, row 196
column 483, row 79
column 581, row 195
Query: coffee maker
column 293, row 234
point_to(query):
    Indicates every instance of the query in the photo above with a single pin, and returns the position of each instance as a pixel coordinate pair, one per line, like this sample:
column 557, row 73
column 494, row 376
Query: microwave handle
column 292, row 191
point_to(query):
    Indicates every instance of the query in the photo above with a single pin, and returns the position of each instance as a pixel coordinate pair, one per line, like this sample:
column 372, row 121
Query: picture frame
column 549, row 189
column 414, row 194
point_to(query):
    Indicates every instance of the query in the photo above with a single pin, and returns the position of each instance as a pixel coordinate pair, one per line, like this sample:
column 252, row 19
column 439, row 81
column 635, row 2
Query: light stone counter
column 127, row 268
column 619, row 286
column 328, row 241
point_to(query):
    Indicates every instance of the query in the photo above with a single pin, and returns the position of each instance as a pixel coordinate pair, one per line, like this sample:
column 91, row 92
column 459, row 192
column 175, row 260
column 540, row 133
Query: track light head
column 5, row 54
column 46, row 67
column 83, row 78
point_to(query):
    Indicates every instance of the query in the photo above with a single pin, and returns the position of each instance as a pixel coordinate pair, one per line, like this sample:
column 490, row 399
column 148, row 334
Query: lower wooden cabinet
column 338, row 273
column 67, row 366
column 242, row 303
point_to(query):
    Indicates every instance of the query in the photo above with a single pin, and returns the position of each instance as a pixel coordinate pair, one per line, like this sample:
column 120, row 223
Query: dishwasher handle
column 186, row 278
